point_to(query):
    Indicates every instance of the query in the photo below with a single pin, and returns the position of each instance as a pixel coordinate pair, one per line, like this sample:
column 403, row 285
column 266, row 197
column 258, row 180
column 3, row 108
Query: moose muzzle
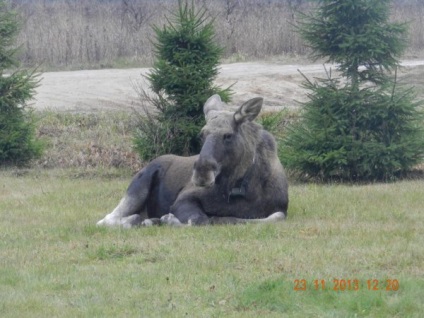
column 206, row 168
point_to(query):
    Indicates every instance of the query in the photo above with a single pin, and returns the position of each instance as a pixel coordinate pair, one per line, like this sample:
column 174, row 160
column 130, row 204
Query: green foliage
column 17, row 141
column 355, row 134
column 273, row 122
column 182, row 80
column 355, row 33
column 362, row 126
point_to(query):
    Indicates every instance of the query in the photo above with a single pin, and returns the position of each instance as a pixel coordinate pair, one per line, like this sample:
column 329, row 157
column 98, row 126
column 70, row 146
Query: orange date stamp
column 338, row 284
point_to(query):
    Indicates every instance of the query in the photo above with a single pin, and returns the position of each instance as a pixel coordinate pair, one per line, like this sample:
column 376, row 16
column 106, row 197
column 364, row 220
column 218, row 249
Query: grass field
column 54, row 262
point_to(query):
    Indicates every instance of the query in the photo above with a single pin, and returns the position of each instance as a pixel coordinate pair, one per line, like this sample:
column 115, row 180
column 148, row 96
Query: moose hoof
column 277, row 216
column 170, row 219
column 131, row 221
column 147, row 222
column 151, row 222
column 109, row 220
column 125, row 222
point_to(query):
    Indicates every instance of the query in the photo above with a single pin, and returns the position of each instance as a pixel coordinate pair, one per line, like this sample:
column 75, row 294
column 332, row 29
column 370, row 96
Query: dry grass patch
column 88, row 141
column 103, row 34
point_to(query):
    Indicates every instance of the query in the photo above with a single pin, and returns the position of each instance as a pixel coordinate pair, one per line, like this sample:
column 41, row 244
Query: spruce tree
column 17, row 137
column 362, row 125
column 182, row 80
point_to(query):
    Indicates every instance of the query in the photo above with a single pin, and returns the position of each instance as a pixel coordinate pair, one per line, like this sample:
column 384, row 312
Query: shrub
column 361, row 126
column 17, row 135
column 182, row 81
column 355, row 134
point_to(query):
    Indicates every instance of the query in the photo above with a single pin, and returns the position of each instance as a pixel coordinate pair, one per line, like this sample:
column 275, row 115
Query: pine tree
column 363, row 125
column 182, row 80
column 17, row 137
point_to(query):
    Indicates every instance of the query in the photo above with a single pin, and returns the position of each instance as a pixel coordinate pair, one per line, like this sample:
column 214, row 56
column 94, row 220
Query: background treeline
column 64, row 34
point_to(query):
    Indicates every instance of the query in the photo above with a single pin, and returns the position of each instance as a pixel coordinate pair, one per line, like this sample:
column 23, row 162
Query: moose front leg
column 187, row 212
column 167, row 219
column 172, row 220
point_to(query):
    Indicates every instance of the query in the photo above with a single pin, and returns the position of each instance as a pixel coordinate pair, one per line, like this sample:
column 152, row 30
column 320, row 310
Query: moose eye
column 227, row 138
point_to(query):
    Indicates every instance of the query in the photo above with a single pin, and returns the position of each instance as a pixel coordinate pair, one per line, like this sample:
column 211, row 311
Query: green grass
column 55, row 262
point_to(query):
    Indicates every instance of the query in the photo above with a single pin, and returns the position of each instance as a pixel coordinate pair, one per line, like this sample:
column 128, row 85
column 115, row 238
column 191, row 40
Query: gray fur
column 236, row 178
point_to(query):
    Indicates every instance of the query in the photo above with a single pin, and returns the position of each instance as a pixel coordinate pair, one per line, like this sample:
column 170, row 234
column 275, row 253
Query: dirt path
column 84, row 91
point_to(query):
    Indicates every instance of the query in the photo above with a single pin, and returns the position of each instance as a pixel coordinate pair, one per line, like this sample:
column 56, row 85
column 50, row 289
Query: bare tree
column 135, row 14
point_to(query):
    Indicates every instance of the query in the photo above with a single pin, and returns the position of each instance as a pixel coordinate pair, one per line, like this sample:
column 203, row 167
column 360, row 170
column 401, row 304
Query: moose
column 236, row 178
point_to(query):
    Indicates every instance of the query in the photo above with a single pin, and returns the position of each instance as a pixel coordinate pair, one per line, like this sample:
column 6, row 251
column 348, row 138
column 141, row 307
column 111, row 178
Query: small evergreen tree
column 361, row 126
column 17, row 141
column 182, row 80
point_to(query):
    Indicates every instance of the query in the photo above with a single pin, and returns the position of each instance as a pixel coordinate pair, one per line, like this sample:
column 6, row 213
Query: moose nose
column 204, row 172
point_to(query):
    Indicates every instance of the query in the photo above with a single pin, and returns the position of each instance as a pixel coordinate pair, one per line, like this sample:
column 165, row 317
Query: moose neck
column 238, row 187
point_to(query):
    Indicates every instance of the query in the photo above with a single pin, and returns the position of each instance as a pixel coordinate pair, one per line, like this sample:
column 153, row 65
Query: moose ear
column 213, row 103
column 249, row 110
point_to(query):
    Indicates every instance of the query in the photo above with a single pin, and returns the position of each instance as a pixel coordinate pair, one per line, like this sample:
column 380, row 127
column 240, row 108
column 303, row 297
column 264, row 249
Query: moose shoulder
column 236, row 178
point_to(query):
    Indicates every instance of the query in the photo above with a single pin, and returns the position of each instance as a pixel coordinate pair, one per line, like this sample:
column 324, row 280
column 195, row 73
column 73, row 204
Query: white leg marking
column 276, row 217
column 147, row 222
column 125, row 208
column 170, row 219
